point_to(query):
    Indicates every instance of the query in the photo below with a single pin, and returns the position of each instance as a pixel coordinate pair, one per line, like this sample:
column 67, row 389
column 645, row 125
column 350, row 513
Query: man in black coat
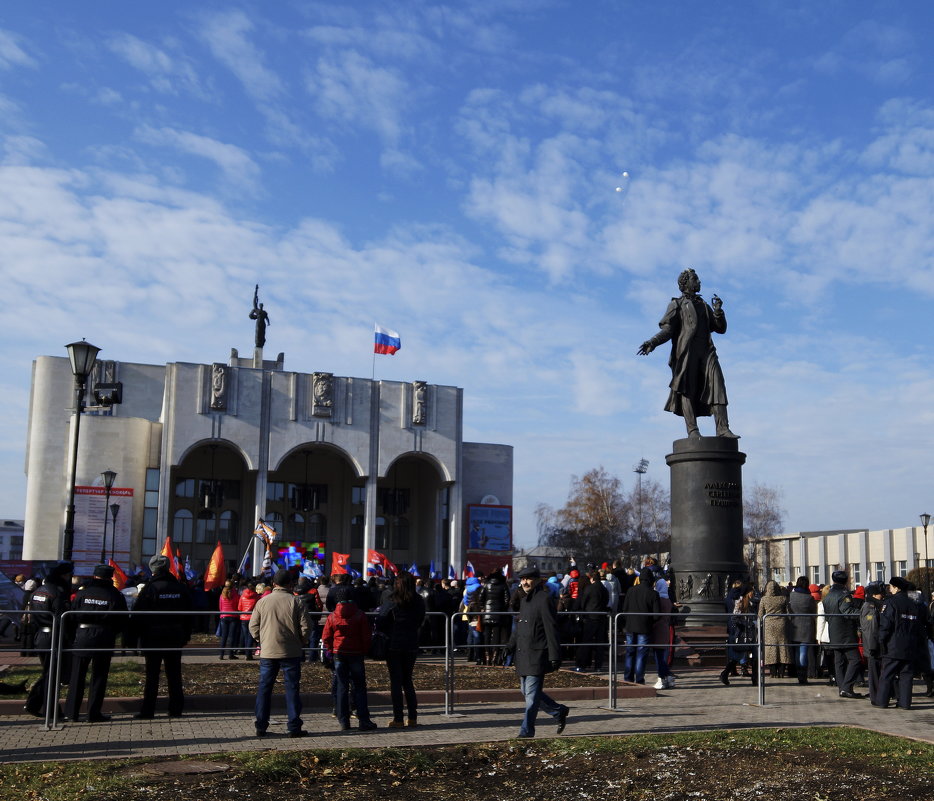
column 902, row 625
column 494, row 599
column 537, row 650
column 642, row 608
column 46, row 606
column 162, row 635
column 93, row 632
column 842, row 612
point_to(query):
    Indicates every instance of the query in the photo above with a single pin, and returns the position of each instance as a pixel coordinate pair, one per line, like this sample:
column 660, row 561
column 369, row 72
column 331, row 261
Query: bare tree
column 656, row 516
column 763, row 516
column 594, row 523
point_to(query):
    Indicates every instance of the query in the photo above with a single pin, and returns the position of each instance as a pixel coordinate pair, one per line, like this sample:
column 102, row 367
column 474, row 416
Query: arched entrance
column 412, row 513
column 312, row 499
column 207, row 501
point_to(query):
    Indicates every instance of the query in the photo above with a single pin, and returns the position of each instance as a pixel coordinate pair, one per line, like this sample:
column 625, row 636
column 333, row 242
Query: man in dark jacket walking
column 94, row 631
column 842, row 612
column 537, row 650
column 902, row 625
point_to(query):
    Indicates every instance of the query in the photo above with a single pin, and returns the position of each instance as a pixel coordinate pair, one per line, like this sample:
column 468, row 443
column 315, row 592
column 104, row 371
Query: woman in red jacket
column 248, row 599
column 229, row 622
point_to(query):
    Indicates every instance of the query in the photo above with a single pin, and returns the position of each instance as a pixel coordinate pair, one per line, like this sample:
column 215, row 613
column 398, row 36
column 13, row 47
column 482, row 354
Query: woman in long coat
column 775, row 631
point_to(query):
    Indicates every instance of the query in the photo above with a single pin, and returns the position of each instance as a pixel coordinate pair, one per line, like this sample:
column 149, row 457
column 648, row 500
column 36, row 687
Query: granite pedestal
column 706, row 521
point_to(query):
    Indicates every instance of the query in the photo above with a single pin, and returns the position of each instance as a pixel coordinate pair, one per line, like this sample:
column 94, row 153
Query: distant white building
column 202, row 451
column 11, row 539
column 866, row 555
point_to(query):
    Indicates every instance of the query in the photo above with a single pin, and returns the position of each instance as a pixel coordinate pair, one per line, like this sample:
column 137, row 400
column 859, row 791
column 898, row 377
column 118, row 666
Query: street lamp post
column 641, row 468
column 925, row 520
column 82, row 356
column 108, row 477
column 114, row 511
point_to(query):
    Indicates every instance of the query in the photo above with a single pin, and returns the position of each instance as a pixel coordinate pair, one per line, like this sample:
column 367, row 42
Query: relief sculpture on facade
column 322, row 387
column 419, row 402
column 218, row 387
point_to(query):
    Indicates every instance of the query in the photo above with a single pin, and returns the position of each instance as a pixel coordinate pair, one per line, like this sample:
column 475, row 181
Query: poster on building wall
column 91, row 505
column 489, row 528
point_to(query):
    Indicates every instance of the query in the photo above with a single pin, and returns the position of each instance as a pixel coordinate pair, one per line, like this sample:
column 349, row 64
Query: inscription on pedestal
column 723, row 493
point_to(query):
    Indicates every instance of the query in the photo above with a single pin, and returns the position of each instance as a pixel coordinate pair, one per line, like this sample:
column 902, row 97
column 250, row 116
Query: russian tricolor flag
column 387, row 341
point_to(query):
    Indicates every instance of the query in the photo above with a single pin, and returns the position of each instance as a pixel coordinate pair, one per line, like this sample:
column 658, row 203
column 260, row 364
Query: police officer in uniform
column 46, row 605
column 94, row 631
column 166, row 634
column 902, row 624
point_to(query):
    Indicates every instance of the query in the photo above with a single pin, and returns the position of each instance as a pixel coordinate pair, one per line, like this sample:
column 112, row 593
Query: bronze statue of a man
column 697, row 386
column 262, row 319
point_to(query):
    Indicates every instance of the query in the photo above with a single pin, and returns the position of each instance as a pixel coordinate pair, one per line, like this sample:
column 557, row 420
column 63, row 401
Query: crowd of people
column 879, row 636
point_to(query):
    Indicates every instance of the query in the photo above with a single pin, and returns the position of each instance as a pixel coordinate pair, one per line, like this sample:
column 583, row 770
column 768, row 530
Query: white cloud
column 11, row 53
column 352, row 89
column 167, row 73
column 236, row 165
column 227, row 36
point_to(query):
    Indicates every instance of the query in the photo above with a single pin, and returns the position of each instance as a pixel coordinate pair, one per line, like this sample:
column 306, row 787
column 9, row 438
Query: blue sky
column 455, row 172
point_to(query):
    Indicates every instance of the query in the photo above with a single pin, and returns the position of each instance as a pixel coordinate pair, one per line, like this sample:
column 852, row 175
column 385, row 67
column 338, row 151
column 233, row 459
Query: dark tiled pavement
column 699, row 702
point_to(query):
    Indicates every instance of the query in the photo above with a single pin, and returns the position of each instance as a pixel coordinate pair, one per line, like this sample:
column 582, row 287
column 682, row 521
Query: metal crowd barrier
column 615, row 644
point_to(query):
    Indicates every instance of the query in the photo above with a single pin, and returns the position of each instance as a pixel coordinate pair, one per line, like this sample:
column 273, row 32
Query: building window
column 183, row 526
column 856, row 573
column 317, row 527
column 358, row 496
column 185, row 488
column 206, row 527
column 901, row 568
column 879, row 568
column 275, row 492
column 400, row 534
column 382, row 534
column 227, row 528
column 815, row 574
column 356, row 531
column 150, row 512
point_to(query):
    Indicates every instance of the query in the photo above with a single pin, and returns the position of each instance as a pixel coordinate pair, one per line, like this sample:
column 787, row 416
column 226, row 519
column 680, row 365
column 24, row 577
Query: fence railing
column 612, row 628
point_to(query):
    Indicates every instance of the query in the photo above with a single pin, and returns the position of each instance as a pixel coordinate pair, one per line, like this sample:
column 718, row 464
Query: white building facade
column 866, row 555
column 204, row 451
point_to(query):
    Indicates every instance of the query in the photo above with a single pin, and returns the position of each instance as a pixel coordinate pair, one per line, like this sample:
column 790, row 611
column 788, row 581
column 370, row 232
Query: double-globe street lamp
column 82, row 356
column 108, row 477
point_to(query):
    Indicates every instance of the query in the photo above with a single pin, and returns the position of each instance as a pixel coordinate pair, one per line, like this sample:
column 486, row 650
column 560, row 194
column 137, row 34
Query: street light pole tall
column 925, row 520
column 114, row 511
column 82, row 356
column 108, row 477
column 640, row 469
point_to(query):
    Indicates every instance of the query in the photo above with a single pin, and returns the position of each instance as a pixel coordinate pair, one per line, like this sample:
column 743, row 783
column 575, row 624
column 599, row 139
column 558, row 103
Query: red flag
column 119, row 575
column 339, row 562
column 376, row 558
column 167, row 553
column 216, row 573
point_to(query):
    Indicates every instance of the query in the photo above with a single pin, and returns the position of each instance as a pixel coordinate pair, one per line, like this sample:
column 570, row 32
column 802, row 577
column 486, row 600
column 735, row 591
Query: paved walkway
column 698, row 703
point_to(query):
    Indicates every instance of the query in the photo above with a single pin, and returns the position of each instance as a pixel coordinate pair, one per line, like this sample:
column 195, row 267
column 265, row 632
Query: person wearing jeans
column 642, row 607
column 637, row 649
column 537, row 651
column 347, row 635
column 280, row 625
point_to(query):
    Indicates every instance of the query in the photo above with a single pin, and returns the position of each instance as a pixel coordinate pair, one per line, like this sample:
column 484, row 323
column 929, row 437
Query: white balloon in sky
column 619, row 189
column 625, row 175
